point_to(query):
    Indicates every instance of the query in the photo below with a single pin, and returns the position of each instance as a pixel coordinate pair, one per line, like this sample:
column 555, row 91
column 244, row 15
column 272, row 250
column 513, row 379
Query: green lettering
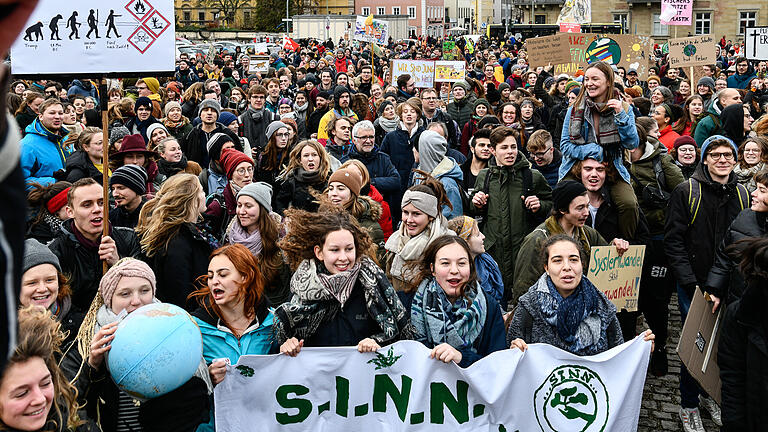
column 440, row 395
column 478, row 410
column 342, row 396
column 361, row 410
column 383, row 386
column 303, row 405
column 417, row 418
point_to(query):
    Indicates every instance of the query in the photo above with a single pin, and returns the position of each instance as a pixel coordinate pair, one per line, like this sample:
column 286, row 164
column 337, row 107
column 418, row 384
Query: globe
column 604, row 49
column 156, row 349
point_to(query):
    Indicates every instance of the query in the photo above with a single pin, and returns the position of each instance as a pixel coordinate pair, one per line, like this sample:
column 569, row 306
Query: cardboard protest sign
column 450, row 71
column 372, row 30
column 676, row 12
column 258, row 64
column 422, row 71
column 756, row 43
column 692, row 51
column 697, row 347
column 98, row 37
column 627, row 51
column 618, row 277
column 548, row 49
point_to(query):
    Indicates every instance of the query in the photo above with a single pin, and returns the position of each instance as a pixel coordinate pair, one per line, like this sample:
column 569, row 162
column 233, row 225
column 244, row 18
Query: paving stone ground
column 661, row 396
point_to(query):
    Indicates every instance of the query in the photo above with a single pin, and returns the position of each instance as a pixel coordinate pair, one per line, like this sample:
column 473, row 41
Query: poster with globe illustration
column 627, row 51
column 692, row 51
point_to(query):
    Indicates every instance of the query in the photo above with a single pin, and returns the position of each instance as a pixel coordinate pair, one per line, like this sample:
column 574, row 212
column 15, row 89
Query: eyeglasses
column 541, row 154
column 242, row 171
column 366, row 138
column 716, row 156
column 429, row 98
column 283, row 134
column 141, row 88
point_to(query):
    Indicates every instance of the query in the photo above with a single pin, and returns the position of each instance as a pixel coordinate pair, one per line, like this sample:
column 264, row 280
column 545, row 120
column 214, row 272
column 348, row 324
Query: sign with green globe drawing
column 573, row 398
column 604, row 49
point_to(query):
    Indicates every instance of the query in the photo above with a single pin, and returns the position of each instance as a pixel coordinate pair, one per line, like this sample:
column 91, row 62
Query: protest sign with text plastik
column 692, row 51
column 756, row 43
column 400, row 388
column 676, row 12
column 422, row 71
column 618, row 277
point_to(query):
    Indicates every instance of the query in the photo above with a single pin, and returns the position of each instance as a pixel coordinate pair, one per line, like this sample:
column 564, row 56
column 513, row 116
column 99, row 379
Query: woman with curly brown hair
column 341, row 296
column 307, row 172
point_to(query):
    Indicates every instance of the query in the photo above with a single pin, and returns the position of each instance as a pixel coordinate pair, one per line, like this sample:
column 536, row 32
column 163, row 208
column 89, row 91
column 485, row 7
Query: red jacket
column 340, row 64
column 667, row 137
column 386, row 215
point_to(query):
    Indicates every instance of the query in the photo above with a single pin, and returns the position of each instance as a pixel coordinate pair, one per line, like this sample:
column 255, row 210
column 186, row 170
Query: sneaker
column 710, row 405
column 659, row 366
column 691, row 420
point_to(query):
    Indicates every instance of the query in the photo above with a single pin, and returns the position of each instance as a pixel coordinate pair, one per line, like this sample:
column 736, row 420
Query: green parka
column 642, row 171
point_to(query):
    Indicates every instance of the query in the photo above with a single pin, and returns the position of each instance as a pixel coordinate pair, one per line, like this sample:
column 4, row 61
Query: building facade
column 425, row 17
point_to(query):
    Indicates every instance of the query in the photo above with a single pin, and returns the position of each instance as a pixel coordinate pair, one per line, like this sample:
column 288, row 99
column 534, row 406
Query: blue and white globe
column 156, row 349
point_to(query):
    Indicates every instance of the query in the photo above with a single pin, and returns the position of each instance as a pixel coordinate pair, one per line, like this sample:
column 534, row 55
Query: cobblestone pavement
column 661, row 396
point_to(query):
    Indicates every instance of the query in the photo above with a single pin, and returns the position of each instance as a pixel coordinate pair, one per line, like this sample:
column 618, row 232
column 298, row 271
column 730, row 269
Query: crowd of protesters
column 324, row 203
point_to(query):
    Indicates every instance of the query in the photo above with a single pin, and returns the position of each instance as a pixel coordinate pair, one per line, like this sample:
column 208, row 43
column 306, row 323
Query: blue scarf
column 438, row 321
column 489, row 275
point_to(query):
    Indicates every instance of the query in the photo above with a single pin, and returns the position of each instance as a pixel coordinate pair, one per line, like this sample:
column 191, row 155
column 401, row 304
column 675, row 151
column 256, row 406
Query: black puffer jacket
column 79, row 166
column 725, row 280
column 83, row 265
column 296, row 191
column 743, row 359
column 691, row 247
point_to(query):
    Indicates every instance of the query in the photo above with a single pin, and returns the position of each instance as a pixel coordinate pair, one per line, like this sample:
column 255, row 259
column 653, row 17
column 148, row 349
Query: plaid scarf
column 606, row 132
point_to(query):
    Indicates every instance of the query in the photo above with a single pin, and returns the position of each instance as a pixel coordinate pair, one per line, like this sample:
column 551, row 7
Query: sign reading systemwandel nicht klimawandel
column 96, row 37
column 401, row 389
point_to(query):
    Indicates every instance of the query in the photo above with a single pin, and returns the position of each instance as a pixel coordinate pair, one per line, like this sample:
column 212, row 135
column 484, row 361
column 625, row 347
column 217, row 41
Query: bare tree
column 226, row 9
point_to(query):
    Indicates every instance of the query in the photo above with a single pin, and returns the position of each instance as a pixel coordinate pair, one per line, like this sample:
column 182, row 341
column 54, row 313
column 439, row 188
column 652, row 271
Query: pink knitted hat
column 130, row 267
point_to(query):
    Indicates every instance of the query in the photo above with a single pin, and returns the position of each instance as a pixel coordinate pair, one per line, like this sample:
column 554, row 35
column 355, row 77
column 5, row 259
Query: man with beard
column 480, row 154
column 431, row 113
column 128, row 185
column 322, row 106
column 185, row 75
column 546, row 158
column 364, row 81
column 406, row 88
column 341, row 100
column 326, row 84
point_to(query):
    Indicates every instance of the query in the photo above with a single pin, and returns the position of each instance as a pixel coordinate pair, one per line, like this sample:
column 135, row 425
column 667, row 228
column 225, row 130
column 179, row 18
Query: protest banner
column 400, row 388
column 692, row 51
column 627, row 51
column 449, row 50
column 618, row 277
column 575, row 11
column 543, row 50
column 368, row 29
column 756, row 43
column 422, row 71
column 258, row 64
column 676, row 12
column 450, row 71
column 570, row 27
column 103, row 37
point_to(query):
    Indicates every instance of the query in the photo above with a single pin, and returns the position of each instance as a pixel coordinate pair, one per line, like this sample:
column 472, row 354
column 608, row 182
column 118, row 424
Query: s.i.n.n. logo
column 573, row 398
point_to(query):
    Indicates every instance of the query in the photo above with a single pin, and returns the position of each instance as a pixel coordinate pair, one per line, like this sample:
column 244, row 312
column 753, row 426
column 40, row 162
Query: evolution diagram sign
column 96, row 37
column 400, row 388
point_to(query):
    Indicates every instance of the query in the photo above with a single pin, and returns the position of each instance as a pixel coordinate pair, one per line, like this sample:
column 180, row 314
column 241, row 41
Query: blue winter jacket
column 383, row 174
column 42, row 154
column 78, row 89
column 572, row 153
column 451, row 176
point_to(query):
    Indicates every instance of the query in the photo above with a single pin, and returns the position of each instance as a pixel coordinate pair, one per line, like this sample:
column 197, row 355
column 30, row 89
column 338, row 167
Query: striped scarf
column 606, row 132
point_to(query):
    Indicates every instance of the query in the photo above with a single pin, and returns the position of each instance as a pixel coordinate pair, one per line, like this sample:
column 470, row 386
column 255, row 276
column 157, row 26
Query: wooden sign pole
column 105, row 161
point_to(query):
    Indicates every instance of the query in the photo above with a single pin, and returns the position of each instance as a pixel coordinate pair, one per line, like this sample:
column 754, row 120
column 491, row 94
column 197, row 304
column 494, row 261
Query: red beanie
column 231, row 158
column 684, row 140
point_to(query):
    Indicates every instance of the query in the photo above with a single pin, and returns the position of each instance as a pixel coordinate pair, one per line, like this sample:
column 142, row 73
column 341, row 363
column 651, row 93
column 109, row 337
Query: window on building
column 622, row 19
column 703, row 23
column 366, row 11
column 747, row 19
column 540, row 19
column 396, row 10
column 379, row 11
column 201, row 16
column 411, row 12
column 187, row 16
column 659, row 29
column 446, row 13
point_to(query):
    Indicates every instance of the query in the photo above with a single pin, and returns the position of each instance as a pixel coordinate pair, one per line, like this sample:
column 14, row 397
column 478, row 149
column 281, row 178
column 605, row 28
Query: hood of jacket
column 37, row 128
column 373, row 209
column 448, row 168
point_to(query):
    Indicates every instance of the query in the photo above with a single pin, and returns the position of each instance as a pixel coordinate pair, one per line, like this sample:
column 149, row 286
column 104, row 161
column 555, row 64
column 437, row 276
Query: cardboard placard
column 422, row 71
column 627, row 51
column 258, row 64
column 618, row 277
column 756, row 43
column 450, row 71
column 98, row 37
column 692, row 51
column 697, row 347
column 543, row 50
column 371, row 30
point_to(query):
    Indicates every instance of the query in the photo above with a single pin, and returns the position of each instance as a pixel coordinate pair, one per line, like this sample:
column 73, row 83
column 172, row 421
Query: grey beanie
column 170, row 105
column 259, row 191
column 432, row 149
column 118, row 133
column 707, row 81
column 666, row 92
column 36, row 253
column 209, row 103
column 462, row 84
column 273, row 127
column 151, row 129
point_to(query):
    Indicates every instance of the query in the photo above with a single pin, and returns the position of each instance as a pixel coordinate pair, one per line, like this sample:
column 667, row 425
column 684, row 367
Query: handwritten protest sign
column 618, row 277
column 422, row 71
column 627, row 51
column 548, row 49
column 368, row 29
column 676, row 12
column 692, row 51
column 449, row 71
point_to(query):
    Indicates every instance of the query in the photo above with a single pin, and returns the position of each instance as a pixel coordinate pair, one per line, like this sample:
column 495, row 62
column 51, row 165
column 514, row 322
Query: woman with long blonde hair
column 306, row 174
column 173, row 238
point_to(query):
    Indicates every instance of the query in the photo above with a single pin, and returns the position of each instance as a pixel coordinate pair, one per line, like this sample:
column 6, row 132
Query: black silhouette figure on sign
column 73, row 24
column 139, row 7
column 54, row 26
column 35, row 29
column 111, row 23
column 93, row 23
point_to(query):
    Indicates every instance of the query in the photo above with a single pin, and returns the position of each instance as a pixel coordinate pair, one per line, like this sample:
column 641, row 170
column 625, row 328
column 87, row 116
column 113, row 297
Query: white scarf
column 407, row 248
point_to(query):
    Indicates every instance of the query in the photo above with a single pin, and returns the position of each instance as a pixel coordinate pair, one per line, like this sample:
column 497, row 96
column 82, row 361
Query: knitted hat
column 273, row 127
column 570, row 85
column 488, row 119
column 151, row 129
column 142, row 102
column 548, row 82
column 174, row 86
column 707, row 81
column 209, row 103
column 36, row 253
column 215, row 143
column 226, row 118
column 482, row 101
column 324, row 94
column 289, row 121
column 462, row 84
column 231, row 158
column 684, row 140
column 259, row 191
column 564, row 192
column 654, row 77
column 284, row 101
column 130, row 267
column 339, row 91
column 153, row 84
column 118, row 133
column 169, row 106
column 709, row 140
column 503, row 86
column 349, row 179
column 133, row 177
column 382, row 106
column 132, row 144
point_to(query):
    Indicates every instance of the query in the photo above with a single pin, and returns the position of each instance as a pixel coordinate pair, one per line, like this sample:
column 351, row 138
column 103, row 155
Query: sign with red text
column 570, row 27
column 617, row 276
column 422, row 71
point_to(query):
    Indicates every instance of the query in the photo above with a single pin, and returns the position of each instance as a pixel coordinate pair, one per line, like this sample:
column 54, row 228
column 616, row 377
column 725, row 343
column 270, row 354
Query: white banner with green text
column 401, row 389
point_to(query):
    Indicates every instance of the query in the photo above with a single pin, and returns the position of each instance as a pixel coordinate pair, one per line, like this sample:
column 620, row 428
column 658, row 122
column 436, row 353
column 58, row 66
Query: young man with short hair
column 479, row 155
column 256, row 118
column 546, row 158
column 406, row 87
column 42, row 148
column 341, row 100
column 128, row 185
column 273, row 94
column 194, row 145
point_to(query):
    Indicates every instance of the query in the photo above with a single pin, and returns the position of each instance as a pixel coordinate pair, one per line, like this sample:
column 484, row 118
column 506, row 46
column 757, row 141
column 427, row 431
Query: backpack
column 654, row 196
column 694, row 198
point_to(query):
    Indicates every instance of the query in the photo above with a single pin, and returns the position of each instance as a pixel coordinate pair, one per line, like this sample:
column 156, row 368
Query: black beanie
column 339, row 91
column 564, row 192
column 131, row 176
